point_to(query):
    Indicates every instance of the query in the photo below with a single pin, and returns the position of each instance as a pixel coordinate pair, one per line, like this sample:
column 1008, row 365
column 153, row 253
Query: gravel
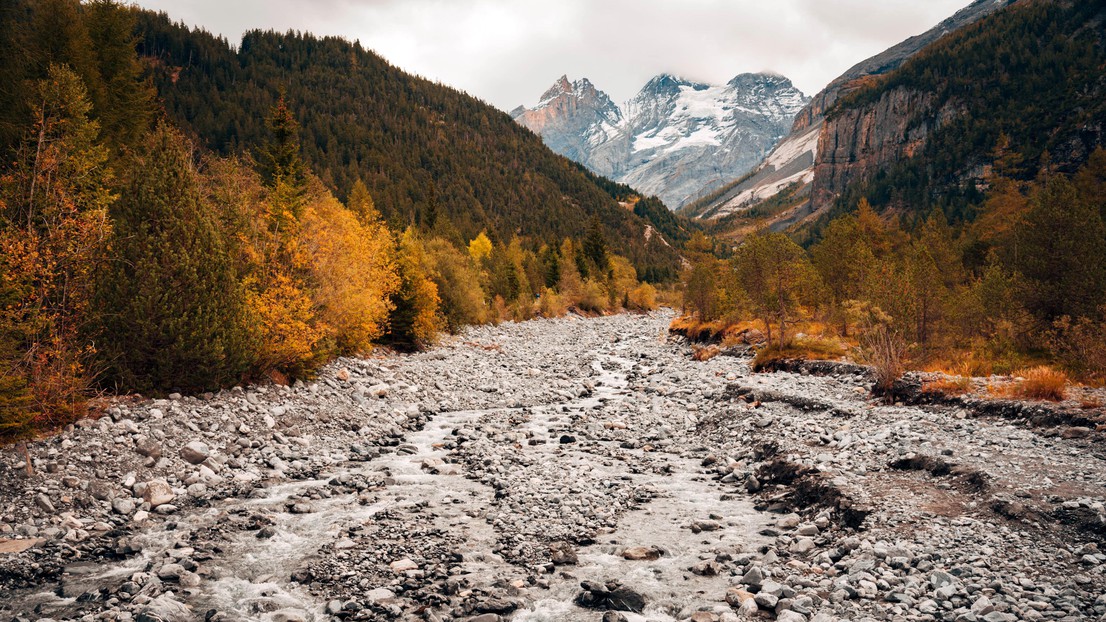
column 570, row 469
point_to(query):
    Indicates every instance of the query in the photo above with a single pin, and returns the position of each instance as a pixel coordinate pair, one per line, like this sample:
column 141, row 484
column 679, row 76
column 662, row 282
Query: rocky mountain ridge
column 805, row 164
column 676, row 138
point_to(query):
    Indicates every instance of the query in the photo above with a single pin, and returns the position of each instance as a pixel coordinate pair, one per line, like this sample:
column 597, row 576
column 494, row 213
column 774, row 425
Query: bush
column 593, row 298
column 551, row 304
column 642, row 298
column 1080, row 344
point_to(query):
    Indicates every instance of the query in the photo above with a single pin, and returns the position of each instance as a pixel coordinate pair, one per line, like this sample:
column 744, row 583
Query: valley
column 522, row 471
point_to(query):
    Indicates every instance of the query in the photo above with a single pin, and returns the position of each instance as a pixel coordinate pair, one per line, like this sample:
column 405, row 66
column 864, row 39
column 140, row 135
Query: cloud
column 508, row 52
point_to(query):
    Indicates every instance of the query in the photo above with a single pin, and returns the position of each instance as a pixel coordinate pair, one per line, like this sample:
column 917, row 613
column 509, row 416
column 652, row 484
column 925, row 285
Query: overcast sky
column 508, row 52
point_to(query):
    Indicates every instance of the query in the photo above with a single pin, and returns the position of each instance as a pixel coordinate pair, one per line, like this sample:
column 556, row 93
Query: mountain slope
column 789, row 169
column 675, row 138
column 425, row 151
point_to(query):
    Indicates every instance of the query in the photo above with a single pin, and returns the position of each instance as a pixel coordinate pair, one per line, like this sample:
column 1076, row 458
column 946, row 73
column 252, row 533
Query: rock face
column 676, row 138
column 822, row 156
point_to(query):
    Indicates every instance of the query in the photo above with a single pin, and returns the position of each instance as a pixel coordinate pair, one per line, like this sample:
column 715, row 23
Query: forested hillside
column 961, row 226
column 1025, row 83
column 429, row 155
column 135, row 258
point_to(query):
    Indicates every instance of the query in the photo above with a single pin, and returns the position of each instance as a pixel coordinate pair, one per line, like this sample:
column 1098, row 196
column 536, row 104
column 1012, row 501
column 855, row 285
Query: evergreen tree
column 124, row 105
column 174, row 311
column 360, row 202
column 595, row 247
column 1063, row 260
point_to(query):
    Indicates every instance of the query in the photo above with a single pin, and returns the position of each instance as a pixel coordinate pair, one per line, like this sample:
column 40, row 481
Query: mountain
column 675, row 138
column 426, row 152
column 786, row 175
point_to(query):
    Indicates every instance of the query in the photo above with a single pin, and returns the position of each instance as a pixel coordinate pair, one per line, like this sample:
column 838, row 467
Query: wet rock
column 165, row 608
column 170, row 572
column 563, row 554
column 610, row 596
column 641, row 553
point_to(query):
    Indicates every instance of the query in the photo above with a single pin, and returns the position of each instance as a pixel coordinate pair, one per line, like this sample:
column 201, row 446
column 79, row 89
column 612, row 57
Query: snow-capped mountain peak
column 676, row 137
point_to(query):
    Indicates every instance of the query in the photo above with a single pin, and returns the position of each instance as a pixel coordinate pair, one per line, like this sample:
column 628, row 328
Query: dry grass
column 807, row 348
column 885, row 351
column 1090, row 402
column 705, row 353
column 954, row 385
column 1037, row 383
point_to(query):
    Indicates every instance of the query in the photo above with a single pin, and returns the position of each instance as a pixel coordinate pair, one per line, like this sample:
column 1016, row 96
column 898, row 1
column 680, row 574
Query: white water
column 249, row 579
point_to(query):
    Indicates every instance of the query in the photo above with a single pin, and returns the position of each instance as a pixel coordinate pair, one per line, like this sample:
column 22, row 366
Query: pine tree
column 595, row 247
column 1063, row 237
column 175, row 314
column 124, row 106
column 360, row 202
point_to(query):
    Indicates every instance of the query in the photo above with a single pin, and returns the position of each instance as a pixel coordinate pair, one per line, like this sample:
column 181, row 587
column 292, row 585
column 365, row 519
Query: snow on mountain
column 676, row 138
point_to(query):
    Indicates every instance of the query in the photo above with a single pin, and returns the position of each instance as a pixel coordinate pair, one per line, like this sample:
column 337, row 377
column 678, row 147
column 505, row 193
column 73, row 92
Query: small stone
column 403, row 565
column 379, row 594
column 170, row 572
column 802, row 546
column 148, row 447
column 766, row 601
column 43, row 502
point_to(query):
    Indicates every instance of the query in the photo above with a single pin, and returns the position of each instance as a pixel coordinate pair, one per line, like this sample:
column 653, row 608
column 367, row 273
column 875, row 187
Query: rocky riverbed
column 570, row 469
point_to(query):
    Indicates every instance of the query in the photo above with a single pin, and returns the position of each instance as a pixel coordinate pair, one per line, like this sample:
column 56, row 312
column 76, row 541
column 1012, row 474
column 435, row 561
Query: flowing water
column 249, row 577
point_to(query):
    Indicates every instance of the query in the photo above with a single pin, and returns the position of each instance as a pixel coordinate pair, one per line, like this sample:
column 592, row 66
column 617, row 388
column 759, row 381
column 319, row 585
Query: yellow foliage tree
column 351, row 273
column 480, row 248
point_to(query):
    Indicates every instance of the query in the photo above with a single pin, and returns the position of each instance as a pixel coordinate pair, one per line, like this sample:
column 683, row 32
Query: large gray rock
column 195, row 452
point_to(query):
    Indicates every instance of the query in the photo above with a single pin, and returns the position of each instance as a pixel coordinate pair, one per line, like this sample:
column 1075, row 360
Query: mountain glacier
column 676, row 138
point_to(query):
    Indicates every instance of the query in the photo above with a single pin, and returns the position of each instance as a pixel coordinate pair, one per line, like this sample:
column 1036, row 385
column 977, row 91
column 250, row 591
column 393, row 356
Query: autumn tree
column 53, row 228
column 361, row 203
column 844, row 260
column 480, row 247
column 458, row 280
column 778, row 276
column 350, row 272
column 414, row 321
